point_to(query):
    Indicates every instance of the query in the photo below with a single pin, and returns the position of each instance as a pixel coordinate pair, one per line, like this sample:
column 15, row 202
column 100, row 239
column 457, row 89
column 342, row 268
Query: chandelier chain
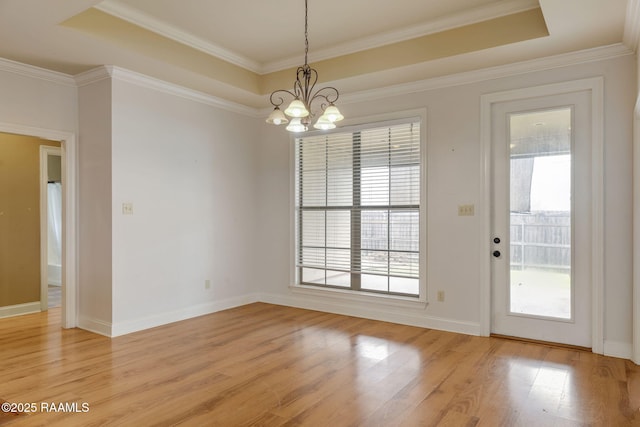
column 306, row 31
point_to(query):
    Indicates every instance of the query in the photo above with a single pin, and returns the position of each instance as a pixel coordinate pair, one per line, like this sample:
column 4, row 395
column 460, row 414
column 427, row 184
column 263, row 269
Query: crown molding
column 180, row 91
column 138, row 79
column 36, row 72
column 502, row 71
column 467, row 17
column 631, row 35
column 106, row 72
column 133, row 16
column 92, row 76
column 475, row 76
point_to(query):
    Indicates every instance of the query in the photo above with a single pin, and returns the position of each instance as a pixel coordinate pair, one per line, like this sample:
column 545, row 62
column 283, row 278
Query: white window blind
column 358, row 209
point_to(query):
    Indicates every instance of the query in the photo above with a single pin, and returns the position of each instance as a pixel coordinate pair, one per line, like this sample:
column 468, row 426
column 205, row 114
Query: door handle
column 496, row 254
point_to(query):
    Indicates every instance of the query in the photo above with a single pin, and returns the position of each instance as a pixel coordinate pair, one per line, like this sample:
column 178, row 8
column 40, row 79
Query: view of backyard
column 541, row 264
column 541, row 293
column 540, row 214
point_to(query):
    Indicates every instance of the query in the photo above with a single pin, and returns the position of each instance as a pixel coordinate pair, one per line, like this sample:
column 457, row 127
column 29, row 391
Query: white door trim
column 596, row 87
column 636, row 233
column 69, row 193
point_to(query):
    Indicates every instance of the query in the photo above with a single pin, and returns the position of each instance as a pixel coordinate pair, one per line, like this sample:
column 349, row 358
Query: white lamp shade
column 333, row 114
column 296, row 109
column 324, row 124
column 296, row 125
column 277, row 117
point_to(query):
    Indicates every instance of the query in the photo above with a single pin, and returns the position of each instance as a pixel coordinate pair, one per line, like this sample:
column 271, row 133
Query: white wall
column 94, row 219
column 37, row 99
column 189, row 170
column 453, row 139
column 618, row 199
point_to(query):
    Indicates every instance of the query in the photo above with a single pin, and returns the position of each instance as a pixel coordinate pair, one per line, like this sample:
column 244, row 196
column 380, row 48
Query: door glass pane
column 540, row 213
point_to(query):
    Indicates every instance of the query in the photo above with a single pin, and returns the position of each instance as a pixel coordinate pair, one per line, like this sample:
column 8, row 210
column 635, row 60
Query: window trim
column 355, row 125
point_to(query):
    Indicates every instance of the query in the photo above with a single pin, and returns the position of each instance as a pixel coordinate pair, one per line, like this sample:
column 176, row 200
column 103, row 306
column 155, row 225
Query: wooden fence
column 541, row 240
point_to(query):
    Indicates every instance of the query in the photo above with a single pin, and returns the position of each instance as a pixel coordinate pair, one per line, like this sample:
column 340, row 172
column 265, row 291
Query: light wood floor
column 268, row 365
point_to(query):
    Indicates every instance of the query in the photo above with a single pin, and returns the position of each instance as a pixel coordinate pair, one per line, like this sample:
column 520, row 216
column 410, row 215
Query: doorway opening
column 67, row 154
column 51, row 227
column 22, row 204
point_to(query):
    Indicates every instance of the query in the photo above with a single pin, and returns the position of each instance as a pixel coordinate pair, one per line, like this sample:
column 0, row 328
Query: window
column 358, row 209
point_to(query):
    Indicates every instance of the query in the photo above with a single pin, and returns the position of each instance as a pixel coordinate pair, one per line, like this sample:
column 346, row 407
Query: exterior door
column 541, row 218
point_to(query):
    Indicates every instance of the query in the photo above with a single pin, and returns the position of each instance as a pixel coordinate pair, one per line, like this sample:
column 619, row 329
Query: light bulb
column 323, row 123
column 296, row 109
column 296, row 125
column 277, row 117
column 333, row 114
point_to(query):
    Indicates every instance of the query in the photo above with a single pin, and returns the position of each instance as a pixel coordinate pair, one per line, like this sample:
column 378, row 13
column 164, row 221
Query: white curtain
column 54, row 214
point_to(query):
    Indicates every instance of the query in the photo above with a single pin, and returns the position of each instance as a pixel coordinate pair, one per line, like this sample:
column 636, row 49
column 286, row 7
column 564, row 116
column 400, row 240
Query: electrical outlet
column 466, row 210
column 440, row 296
column 207, row 284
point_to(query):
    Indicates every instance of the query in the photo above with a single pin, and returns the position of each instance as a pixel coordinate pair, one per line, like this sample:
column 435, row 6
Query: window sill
column 349, row 295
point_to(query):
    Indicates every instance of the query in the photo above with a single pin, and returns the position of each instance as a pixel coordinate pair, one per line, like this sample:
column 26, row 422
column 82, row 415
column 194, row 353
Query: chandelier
column 303, row 94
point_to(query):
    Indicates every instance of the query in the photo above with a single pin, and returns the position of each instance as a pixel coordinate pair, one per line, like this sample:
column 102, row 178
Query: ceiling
column 241, row 50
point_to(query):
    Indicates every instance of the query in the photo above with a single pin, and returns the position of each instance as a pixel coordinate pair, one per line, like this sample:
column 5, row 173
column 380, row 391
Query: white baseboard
column 619, row 349
column 19, row 309
column 401, row 316
column 96, row 326
column 129, row 326
column 348, row 308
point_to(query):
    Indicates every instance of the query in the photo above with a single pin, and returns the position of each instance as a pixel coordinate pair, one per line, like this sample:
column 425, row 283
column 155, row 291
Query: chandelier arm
column 306, row 80
column 298, row 85
column 280, row 100
column 331, row 97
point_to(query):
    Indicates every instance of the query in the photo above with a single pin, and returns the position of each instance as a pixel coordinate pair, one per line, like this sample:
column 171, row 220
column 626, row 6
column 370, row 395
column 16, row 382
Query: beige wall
column 20, row 218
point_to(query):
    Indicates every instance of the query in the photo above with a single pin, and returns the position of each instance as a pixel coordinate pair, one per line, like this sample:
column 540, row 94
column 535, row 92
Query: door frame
column 636, row 233
column 596, row 87
column 69, row 150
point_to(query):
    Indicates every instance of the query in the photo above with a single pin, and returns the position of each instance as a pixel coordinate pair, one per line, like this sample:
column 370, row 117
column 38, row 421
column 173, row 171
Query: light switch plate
column 466, row 210
column 127, row 208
